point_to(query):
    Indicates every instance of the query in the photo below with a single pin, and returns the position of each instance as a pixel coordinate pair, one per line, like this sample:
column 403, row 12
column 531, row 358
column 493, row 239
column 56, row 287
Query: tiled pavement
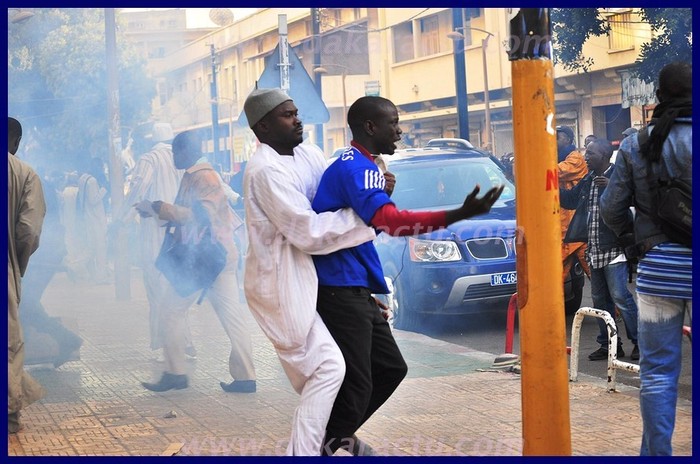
column 451, row 403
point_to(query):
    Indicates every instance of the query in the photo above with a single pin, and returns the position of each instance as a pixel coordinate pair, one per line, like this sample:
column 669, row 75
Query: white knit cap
column 262, row 101
column 162, row 132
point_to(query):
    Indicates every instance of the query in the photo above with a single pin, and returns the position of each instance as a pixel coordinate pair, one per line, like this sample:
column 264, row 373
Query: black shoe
column 599, row 354
column 191, row 353
column 360, row 448
column 239, row 386
column 635, row 353
column 620, row 352
column 167, row 382
column 13, row 422
column 67, row 350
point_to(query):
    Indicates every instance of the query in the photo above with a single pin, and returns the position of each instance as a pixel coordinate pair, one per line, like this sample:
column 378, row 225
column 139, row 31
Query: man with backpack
column 664, row 274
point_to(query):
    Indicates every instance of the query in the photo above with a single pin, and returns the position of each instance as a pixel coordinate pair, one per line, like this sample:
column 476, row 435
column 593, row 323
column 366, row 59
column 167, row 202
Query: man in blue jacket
column 348, row 278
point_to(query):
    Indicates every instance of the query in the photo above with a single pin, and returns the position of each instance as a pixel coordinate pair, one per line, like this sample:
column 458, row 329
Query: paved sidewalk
column 451, row 403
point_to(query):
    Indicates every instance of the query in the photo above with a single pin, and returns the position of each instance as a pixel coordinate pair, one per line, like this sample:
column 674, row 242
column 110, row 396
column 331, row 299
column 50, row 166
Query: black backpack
column 674, row 201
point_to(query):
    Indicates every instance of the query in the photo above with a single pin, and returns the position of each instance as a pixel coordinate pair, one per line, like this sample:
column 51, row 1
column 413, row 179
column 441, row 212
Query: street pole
column 230, row 136
column 284, row 52
column 460, row 76
column 544, row 375
column 316, row 31
column 320, row 70
column 345, row 111
column 214, row 107
column 122, row 278
column 487, row 106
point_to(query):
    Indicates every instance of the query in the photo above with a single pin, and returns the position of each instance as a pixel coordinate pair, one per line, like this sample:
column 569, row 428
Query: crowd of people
column 311, row 270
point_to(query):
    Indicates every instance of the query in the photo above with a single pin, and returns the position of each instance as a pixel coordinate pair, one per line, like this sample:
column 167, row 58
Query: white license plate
column 504, row 278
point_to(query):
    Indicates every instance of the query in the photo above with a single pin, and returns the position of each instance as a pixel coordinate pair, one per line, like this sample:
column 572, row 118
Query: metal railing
column 613, row 362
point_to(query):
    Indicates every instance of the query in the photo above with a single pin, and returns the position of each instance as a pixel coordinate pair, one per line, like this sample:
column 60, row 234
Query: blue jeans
column 609, row 289
column 660, row 344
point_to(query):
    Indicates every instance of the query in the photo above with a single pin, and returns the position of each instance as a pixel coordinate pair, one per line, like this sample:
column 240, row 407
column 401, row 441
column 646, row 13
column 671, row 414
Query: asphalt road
column 487, row 333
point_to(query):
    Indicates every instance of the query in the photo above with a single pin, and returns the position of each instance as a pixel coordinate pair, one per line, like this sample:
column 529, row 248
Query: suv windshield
column 437, row 184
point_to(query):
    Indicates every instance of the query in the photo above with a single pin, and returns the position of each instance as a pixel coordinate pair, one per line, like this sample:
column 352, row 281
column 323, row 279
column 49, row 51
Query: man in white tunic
column 154, row 177
column 26, row 209
column 280, row 282
column 92, row 222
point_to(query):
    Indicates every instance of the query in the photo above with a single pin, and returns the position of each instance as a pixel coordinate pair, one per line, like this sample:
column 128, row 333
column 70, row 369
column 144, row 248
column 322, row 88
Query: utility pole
column 460, row 75
column 316, row 31
column 284, row 52
column 122, row 275
column 544, row 377
column 214, row 107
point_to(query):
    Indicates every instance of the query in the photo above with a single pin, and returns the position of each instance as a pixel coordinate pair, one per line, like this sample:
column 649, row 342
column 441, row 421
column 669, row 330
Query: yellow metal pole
column 545, row 389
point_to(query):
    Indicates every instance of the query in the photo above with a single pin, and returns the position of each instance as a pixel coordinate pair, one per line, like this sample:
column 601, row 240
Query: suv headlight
column 431, row 251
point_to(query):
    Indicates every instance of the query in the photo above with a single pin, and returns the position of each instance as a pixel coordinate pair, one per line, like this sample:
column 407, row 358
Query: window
column 337, row 18
column 402, row 35
column 621, row 34
column 234, row 84
column 162, row 93
column 429, row 39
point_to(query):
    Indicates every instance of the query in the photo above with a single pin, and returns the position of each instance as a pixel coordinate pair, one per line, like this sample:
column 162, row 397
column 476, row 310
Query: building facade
column 406, row 55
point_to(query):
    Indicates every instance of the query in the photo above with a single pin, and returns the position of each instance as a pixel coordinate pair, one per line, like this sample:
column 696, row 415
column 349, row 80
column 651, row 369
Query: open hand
column 474, row 206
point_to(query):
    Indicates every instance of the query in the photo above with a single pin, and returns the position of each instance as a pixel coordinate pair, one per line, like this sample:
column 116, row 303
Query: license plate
column 504, row 278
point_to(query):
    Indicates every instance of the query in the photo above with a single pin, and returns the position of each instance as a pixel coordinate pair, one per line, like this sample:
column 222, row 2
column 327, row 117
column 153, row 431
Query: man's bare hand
column 601, row 181
column 474, row 206
column 145, row 209
column 390, row 182
column 383, row 308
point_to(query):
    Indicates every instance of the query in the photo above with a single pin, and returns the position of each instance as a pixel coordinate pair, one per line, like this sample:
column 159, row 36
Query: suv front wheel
column 573, row 288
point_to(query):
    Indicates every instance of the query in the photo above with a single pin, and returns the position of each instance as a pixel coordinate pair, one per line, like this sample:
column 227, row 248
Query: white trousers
column 316, row 371
column 156, row 286
column 224, row 298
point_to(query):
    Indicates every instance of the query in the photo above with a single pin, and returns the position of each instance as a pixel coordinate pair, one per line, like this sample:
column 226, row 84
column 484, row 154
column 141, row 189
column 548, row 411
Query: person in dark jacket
column 604, row 253
column 665, row 273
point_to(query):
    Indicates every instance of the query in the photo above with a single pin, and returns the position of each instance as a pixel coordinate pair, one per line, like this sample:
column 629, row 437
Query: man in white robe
column 280, row 281
column 92, row 222
column 154, row 177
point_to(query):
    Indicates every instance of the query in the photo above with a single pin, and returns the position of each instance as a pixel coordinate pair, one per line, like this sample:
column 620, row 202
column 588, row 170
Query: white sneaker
column 158, row 355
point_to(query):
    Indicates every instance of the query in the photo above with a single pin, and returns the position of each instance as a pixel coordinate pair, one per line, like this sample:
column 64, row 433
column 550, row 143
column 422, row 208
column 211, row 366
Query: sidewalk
column 451, row 403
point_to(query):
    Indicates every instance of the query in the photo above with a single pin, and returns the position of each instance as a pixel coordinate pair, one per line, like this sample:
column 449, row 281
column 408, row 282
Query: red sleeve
column 398, row 223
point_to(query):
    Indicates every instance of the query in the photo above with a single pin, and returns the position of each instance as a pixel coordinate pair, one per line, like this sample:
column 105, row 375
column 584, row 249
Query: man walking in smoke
column 201, row 203
column 25, row 217
column 62, row 343
column 154, row 177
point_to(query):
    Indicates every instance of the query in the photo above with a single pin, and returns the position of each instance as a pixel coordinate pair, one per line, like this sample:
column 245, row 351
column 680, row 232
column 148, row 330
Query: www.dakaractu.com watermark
column 417, row 445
